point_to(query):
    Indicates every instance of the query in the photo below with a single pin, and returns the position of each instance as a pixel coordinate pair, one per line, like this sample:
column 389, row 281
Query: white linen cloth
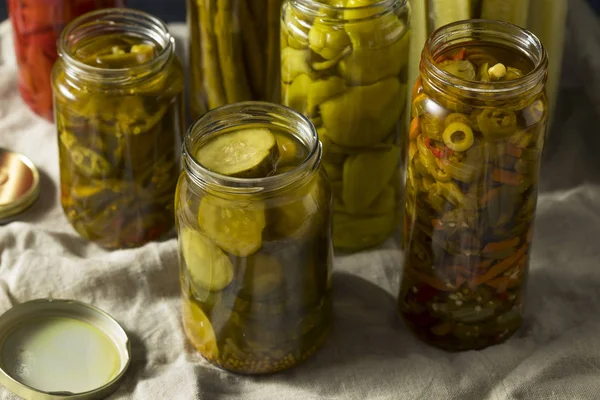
column 370, row 355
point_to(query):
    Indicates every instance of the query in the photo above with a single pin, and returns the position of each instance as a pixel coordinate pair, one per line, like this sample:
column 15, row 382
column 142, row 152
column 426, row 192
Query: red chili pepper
column 37, row 25
column 436, row 151
column 460, row 55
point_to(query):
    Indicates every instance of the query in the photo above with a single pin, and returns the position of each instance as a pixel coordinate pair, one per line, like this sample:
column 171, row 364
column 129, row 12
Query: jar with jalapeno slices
column 253, row 212
column 344, row 65
column 478, row 119
column 118, row 95
column 234, row 52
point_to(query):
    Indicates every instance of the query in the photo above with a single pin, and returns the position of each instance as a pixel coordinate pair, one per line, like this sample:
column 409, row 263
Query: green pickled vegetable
column 248, row 153
column 235, row 226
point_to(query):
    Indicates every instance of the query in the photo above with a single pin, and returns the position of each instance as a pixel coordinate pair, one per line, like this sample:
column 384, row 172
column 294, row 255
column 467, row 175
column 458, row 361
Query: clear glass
column 37, row 25
column 234, row 52
column 471, row 187
column 345, row 68
column 545, row 18
column 255, row 254
column 118, row 97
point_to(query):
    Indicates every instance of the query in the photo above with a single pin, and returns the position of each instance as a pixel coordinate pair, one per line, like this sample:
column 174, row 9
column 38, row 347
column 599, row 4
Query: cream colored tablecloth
column 370, row 355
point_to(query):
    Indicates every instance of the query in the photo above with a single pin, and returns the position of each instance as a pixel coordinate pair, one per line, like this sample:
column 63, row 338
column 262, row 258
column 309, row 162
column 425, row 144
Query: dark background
column 167, row 10
column 174, row 10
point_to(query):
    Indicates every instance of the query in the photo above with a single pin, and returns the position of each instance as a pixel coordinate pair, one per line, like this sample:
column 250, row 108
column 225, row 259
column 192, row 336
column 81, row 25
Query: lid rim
column 26, row 200
column 28, row 392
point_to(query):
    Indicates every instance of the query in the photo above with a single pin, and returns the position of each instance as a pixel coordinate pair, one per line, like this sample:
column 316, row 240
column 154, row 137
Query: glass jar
column 255, row 253
column 234, row 52
column 118, row 95
column 472, row 179
column 345, row 68
column 547, row 19
column 37, row 25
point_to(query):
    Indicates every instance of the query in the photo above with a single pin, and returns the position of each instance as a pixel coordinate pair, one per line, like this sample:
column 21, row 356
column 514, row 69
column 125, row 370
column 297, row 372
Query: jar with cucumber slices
column 253, row 210
column 234, row 52
column 118, row 95
column 344, row 65
column 479, row 112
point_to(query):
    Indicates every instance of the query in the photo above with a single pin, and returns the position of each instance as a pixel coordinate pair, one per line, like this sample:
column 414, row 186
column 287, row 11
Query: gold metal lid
column 19, row 184
column 61, row 349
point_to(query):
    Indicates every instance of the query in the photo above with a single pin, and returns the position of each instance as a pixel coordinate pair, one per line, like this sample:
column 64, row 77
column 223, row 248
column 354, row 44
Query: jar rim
column 501, row 30
column 209, row 124
column 319, row 8
column 138, row 21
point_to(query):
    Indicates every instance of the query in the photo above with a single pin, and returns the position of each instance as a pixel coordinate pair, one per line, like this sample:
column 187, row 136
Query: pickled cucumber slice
column 442, row 12
column 209, row 268
column 235, row 226
column 365, row 177
column 513, row 11
column 199, row 330
column 247, row 153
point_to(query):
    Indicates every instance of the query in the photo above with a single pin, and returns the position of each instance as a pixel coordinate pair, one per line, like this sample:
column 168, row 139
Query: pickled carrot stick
column 501, row 266
column 507, row 177
column 415, row 128
column 513, row 150
column 490, row 195
column 460, row 55
column 497, row 246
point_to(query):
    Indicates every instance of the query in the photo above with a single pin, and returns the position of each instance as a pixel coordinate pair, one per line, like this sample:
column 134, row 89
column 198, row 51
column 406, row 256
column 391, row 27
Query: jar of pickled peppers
column 234, row 52
column 344, row 65
column 479, row 112
column 253, row 210
column 118, row 95
column 37, row 25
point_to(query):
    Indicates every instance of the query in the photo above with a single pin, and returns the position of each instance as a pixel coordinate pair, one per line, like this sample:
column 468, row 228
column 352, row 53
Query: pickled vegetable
column 256, row 268
column 470, row 204
column 250, row 153
column 37, row 25
column 345, row 67
column 234, row 52
column 119, row 148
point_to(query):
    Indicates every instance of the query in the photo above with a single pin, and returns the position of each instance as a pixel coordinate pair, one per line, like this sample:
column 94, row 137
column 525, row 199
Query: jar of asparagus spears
column 344, row 65
column 253, row 209
column 479, row 112
column 118, row 94
column 234, row 52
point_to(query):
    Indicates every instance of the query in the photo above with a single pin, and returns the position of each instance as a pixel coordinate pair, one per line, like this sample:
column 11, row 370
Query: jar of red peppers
column 37, row 25
column 479, row 112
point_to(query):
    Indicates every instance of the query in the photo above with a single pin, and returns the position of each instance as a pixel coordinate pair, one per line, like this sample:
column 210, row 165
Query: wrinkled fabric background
column 556, row 355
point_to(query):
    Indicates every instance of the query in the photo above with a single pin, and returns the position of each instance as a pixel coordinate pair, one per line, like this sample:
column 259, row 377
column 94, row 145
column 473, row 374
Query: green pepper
column 376, row 109
column 379, row 50
column 293, row 63
column 365, row 177
column 497, row 124
column 327, row 40
column 352, row 232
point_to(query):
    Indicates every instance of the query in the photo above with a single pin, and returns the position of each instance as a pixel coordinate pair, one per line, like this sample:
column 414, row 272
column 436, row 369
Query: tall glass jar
column 479, row 113
column 37, row 25
column 345, row 67
column 118, row 95
column 234, row 52
column 255, row 253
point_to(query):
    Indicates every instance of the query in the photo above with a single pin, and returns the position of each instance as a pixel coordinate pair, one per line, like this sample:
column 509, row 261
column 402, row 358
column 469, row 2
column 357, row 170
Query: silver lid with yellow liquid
column 61, row 349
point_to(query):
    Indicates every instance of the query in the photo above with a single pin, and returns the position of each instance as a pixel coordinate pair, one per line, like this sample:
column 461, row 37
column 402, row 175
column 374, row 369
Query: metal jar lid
column 19, row 184
column 61, row 349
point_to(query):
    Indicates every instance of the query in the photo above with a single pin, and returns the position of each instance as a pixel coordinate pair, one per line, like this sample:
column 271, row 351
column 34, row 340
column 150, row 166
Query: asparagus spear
column 252, row 50
column 273, row 15
column 210, row 57
column 198, row 104
column 230, row 53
